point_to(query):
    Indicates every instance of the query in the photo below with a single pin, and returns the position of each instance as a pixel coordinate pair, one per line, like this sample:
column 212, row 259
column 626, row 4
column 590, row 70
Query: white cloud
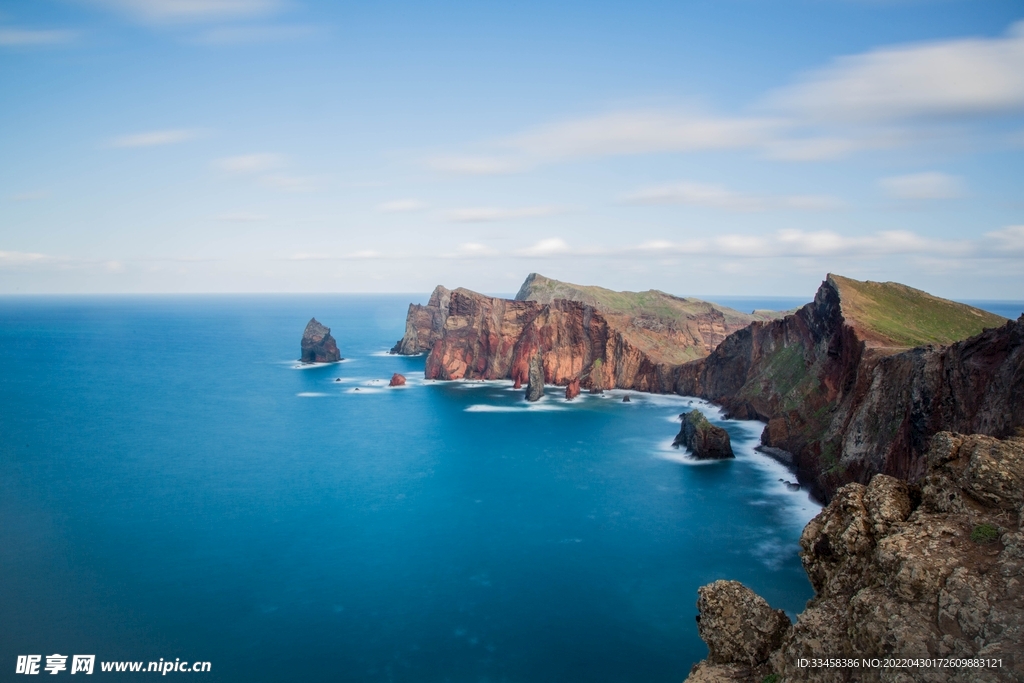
column 614, row 134
column 290, row 183
column 401, row 206
column 930, row 185
column 154, row 138
column 1008, row 240
column 552, row 246
column 951, row 78
column 241, row 217
column 181, row 11
column 242, row 35
column 249, row 163
column 23, row 37
column 473, row 250
column 718, row 197
column 28, row 196
column 18, row 258
column 485, row 214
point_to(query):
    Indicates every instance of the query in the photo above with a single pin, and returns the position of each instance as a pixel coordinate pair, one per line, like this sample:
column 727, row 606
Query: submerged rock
column 572, row 389
column 535, row 385
column 625, row 399
column 705, row 440
column 318, row 346
column 397, row 380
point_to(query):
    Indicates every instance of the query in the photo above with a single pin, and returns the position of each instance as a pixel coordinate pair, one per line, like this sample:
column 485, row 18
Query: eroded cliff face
column 474, row 336
column 848, row 402
column 317, row 345
column 928, row 571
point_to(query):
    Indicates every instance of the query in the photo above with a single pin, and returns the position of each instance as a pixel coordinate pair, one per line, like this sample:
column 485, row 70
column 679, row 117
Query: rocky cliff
column 318, row 346
column 929, row 571
column 639, row 343
column 845, row 395
column 704, row 440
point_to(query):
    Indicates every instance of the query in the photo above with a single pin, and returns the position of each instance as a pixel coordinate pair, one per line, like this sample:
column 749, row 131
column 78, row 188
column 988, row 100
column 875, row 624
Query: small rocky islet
column 903, row 412
column 317, row 345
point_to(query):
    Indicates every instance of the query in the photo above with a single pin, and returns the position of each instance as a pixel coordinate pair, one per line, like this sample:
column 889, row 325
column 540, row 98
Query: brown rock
column 703, row 439
column 572, row 389
column 535, row 386
column 397, row 380
column 737, row 624
column 318, row 346
column 894, row 581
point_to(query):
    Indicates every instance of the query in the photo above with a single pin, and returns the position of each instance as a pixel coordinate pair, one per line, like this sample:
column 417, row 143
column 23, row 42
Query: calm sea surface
column 173, row 485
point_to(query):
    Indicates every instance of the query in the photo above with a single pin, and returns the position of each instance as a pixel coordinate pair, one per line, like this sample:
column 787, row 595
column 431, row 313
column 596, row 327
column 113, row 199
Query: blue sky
column 731, row 147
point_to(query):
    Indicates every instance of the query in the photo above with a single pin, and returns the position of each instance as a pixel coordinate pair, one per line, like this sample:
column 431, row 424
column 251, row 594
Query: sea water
column 173, row 484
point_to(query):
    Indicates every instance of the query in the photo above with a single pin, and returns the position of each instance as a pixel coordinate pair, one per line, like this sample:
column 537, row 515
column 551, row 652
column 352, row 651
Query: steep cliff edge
column 704, row 440
column 639, row 344
column 317, row 345
column 929, row 571
column 842, row 392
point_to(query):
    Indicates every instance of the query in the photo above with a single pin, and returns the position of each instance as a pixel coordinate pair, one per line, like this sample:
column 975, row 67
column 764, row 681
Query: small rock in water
column 338, row 379
column 397, row 380
column 625, row 399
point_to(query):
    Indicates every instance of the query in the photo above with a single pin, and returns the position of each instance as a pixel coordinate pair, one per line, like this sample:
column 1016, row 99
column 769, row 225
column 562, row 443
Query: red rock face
column 488, row 338
column 572, row 389
column 847, row 410
column 397, row 380
column 317, row 345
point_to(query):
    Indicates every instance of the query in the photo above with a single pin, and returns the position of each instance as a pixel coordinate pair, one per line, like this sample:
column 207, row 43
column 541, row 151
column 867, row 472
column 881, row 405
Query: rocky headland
column 930, row 570
column 604, row 339
column 318, row 346
column 704, row 440
column 856, row 382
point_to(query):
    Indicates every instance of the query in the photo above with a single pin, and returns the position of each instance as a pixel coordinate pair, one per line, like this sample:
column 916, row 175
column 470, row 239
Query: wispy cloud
column 243, row 35
column 952, row 78
column 402, row 206
column 19, row 258
column 249, row 163
column 918, row 186
column 23, row 37
column 486, row 214
column 184, row 11
column 154, row 138
column 551, row 246
column 718, row 197
column 241, row 217
column 290, row 183
column 1008, row 240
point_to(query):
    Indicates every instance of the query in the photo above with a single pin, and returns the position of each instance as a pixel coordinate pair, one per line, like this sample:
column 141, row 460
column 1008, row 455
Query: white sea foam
column 363, row 390
column 535, row 407
column 310, row 394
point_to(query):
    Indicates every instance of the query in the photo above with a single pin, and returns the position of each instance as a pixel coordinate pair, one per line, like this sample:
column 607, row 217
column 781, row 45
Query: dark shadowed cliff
column 842, row 392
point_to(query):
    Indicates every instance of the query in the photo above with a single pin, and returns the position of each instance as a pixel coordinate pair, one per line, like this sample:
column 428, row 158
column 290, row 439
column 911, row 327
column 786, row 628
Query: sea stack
column 705, row 440
column 318, row 346
column 397, row 380
column 535, row 385
column 572, row 389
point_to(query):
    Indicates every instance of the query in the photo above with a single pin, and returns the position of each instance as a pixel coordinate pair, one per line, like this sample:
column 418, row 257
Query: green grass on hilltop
column 908, row 317
column 649, row 303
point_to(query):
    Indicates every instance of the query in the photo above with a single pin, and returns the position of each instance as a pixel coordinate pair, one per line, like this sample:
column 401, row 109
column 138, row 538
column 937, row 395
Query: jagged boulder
column 318, row 346
column 535, row 384
column 703, row 439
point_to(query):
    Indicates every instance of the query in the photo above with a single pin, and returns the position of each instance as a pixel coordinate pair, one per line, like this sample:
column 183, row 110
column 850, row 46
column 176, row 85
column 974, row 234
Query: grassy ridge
column 651, row 303
column 908, row 317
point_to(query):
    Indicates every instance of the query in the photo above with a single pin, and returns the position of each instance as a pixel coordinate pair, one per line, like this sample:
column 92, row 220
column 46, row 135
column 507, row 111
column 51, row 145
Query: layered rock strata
column 929, row 571
column 318, row 346
column 704, row 440
column 843, row 396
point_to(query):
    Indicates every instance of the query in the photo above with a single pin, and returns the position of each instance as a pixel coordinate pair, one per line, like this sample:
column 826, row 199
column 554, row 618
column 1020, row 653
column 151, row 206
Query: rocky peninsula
column 318, row 346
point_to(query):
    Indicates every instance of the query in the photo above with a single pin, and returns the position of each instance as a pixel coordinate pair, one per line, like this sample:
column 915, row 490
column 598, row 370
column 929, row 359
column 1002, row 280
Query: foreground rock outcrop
column 704, row 440
column 928, row 571
column 318, row 346
column 535, row 380
column 856, row 382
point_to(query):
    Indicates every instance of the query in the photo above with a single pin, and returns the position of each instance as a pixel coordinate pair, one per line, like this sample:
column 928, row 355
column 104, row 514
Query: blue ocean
column 174, row 485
